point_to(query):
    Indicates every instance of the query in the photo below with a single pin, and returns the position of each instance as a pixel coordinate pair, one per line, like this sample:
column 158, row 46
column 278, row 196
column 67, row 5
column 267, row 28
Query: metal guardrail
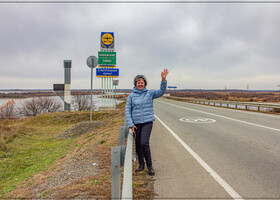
column 127, row 177
column 245, row 105
column 122, row 156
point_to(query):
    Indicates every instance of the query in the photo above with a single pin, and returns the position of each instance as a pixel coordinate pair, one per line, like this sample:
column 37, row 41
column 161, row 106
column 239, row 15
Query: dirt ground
column 85, row 172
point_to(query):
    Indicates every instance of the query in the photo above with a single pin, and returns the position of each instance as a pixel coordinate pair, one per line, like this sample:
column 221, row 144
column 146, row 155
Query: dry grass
column 94, row 147
column 230, row 95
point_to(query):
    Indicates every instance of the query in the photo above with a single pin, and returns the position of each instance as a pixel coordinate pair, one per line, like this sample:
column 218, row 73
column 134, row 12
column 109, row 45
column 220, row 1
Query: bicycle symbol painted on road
column 197, row 120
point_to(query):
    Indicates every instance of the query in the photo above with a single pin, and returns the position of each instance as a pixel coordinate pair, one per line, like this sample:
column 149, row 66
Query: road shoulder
column 178, row 174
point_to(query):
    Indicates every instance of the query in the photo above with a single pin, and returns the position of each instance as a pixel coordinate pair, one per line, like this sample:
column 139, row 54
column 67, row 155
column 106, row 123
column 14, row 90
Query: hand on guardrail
column 133, row 131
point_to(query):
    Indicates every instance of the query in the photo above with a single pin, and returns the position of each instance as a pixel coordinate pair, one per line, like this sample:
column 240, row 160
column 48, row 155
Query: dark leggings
column 142, row 143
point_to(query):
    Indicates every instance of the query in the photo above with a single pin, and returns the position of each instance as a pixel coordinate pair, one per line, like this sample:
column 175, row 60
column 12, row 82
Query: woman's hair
column 138, row 77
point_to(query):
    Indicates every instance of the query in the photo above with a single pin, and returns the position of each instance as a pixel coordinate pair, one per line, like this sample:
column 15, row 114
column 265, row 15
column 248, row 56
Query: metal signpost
column 92, row 63
column 107, row 70
column 115, row 83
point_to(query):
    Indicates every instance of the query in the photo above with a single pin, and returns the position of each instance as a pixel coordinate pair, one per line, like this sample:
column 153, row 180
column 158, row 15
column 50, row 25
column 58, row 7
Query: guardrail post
column 126, row 131
column 122, row 135
column 122, row 155
column 115, row 172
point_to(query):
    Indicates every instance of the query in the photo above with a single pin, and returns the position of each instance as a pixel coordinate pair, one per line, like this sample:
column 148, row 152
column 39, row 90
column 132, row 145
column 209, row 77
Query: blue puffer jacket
column 139, row 105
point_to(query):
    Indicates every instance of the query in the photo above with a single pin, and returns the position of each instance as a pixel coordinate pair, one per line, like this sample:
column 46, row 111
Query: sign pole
column 92, row 63
column 102, row 92
column 115, row 83
column 115, row 95
column 91, row 94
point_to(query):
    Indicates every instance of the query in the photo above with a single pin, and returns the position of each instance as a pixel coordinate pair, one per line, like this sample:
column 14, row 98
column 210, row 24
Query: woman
column 139, row 116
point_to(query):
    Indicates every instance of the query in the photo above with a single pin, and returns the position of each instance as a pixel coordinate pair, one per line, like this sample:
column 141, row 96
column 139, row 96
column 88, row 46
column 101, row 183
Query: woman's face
column 140, row 84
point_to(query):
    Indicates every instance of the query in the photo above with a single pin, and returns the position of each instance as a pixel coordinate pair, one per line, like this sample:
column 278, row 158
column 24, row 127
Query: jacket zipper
column 141, row 102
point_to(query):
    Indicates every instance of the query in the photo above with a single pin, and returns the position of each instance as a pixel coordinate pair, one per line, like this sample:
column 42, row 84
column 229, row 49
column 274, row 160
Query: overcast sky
column 204, row 45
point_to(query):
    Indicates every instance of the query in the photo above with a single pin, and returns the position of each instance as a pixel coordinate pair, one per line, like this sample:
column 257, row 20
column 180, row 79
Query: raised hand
column 164, row 74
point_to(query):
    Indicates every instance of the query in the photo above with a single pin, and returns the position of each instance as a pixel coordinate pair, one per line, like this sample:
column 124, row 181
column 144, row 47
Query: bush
column 39, row 105
column 81, row 102
column 8, row 110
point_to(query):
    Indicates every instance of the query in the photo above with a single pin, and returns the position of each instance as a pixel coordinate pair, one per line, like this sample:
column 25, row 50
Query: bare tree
column 8, row 110
column 81, row 102
column 49, row 105
column 39, row 105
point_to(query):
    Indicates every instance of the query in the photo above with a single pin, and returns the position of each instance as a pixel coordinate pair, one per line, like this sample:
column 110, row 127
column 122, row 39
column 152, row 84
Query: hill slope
column 36, row 164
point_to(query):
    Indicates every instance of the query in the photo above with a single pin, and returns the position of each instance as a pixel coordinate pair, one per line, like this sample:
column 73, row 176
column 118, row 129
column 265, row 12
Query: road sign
column 107, row 40
column 107, row 72
column 92, row 62
column 107, row 59
column 116, row 82
column 58, row 87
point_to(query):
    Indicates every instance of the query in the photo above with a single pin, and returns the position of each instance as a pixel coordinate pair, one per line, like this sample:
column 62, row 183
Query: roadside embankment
column 61, row 155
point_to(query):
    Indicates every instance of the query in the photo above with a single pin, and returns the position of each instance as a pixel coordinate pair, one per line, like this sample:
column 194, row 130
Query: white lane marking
column 218, row 178
column 237, row 120
column 197, row 120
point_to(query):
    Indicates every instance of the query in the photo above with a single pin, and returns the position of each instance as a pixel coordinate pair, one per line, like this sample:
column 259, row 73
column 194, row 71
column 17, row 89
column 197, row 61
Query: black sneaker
column 140, row 168
column 151, row 171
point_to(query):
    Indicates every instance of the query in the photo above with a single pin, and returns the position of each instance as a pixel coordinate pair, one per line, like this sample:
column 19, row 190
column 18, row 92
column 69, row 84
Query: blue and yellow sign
column 107, row 72
column 107, row 40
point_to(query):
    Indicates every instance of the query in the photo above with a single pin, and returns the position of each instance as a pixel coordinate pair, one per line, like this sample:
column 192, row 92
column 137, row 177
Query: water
column 96, row 99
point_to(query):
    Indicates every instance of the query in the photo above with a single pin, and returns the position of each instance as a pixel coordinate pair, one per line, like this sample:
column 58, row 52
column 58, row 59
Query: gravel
column 80, row 128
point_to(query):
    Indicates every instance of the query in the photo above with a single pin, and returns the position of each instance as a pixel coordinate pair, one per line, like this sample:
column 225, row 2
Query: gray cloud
column 204, row 45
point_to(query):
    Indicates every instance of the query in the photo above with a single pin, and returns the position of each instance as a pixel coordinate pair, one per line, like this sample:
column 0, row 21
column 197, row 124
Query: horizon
column 188, row 89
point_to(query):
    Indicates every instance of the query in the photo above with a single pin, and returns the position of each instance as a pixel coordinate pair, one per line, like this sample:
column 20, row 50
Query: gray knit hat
column 140, row 76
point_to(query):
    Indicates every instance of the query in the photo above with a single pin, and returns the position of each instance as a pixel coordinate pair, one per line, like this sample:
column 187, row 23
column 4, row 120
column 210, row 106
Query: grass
column 28, row 149
column 95, row 181
column 27, row 146
column 29, row 153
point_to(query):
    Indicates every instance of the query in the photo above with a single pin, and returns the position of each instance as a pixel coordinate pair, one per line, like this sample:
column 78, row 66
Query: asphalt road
column 241, row 148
